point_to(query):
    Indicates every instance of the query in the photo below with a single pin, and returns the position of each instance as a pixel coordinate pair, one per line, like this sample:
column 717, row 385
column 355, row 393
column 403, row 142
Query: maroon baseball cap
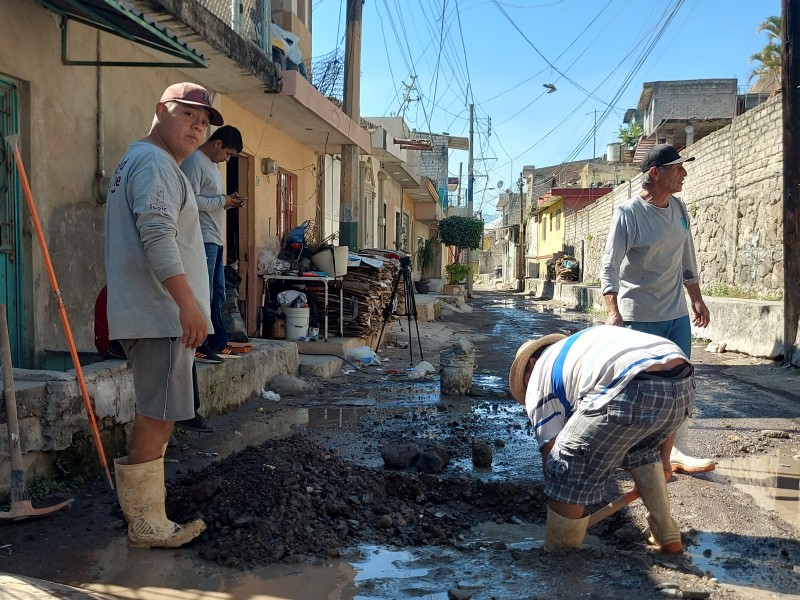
column 661, row 156
column 193, row 95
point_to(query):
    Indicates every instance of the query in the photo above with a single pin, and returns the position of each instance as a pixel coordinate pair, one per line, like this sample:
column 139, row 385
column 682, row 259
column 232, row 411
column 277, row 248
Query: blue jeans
column 216, row 282
column 678, row 331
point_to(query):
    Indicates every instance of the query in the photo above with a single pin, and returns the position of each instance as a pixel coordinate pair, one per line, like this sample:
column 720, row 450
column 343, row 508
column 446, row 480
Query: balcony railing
column 249, row 18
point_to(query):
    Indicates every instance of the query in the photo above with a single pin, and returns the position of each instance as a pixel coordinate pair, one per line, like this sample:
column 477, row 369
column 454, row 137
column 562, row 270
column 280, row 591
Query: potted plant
column 456, row 274
column 426, row 255
column 630, row 136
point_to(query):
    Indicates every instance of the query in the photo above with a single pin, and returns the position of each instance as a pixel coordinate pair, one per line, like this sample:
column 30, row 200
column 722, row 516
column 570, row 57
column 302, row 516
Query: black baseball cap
column 661, row 156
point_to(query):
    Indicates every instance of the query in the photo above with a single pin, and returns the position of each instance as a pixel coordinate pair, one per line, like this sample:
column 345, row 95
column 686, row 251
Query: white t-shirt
column 591, row 367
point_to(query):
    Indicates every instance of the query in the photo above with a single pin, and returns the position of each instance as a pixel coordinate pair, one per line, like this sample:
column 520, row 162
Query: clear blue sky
column 499, row 54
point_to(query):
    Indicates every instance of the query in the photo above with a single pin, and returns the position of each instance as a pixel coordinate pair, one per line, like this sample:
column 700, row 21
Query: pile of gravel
column 290, row 499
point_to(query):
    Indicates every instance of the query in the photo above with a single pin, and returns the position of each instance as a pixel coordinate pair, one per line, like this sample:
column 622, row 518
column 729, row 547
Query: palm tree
column 768, row 71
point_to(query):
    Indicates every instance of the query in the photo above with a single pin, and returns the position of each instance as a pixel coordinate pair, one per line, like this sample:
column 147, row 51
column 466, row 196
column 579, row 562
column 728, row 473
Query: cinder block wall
column 734, row 196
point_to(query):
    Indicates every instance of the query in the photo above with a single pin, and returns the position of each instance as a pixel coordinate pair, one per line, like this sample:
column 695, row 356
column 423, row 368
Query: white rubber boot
column 140, row 491
column 684, row 463
column 563, row 533
column 664, row 530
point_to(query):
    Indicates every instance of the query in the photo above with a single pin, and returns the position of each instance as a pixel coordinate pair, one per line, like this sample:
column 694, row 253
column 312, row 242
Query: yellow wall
column 553, row 241
column 265, row 141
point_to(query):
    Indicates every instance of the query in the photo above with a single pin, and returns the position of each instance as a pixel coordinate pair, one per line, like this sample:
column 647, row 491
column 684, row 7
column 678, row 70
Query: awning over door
column 121, row 19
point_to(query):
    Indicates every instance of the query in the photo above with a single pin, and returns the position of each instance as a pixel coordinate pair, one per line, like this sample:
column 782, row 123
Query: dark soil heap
column 289, row 499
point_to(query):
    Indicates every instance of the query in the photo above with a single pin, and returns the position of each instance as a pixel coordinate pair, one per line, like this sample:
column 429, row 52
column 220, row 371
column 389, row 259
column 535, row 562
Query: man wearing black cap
column 649, row 259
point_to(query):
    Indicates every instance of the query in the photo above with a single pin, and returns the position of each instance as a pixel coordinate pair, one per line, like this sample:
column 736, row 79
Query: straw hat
column 524, row 353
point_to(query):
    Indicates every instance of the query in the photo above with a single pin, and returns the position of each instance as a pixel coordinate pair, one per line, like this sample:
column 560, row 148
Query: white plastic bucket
column 296, row 322
column 330, row 257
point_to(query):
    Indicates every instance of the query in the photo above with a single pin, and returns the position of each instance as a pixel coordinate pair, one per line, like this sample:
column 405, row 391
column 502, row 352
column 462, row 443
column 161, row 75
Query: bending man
column 603, row 398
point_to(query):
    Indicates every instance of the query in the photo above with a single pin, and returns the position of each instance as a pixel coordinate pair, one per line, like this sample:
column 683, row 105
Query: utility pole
column 521, row 251
column 460, row 171
column 349, row 188
column 470, row 178
column 790, row 69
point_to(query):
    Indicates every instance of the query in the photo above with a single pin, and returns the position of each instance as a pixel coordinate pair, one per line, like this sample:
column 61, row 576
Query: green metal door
column 10, row 230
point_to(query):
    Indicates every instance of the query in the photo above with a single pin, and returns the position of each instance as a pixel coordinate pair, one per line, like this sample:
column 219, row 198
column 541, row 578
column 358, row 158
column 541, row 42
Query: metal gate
column 10, row 229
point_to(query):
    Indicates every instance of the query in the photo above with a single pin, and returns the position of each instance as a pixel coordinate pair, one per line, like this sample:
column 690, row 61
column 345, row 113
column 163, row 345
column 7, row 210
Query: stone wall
column 734, row 195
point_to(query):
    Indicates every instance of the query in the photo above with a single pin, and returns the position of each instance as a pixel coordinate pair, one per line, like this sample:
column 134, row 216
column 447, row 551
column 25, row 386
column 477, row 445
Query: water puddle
column 773, row 480
column 117, row 570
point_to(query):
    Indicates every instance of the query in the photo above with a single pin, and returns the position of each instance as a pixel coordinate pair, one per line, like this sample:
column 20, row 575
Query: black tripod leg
column 413, row 307
column 387, row 310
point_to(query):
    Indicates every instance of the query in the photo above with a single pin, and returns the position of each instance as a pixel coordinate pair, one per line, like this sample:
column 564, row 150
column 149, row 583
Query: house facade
column 549, row 220
column 79, row 82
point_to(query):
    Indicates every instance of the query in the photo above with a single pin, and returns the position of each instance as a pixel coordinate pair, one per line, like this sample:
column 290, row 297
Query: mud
column 299, row 504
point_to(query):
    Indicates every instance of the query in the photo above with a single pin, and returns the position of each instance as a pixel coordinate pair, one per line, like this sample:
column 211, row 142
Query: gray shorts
column 162, row 377
column 626, row 433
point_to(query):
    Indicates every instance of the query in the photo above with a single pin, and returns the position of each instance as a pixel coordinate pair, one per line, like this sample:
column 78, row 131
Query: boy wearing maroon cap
column 158, row 300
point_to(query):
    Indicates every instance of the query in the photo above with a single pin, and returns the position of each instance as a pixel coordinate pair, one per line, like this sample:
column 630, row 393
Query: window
column 285, row 209
column 558, row 219
column 544, row 228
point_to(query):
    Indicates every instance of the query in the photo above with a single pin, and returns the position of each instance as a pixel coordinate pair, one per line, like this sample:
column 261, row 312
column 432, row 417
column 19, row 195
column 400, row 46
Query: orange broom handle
column 37, row 226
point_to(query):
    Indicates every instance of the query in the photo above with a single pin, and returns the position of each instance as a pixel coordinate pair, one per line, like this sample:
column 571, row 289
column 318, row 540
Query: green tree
column 461, row 233
column 767, row 71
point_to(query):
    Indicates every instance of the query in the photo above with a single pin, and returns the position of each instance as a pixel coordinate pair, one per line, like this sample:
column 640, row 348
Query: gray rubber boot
column 140, row 491
column 563, row 533
column 664, row 530
column 679, row 458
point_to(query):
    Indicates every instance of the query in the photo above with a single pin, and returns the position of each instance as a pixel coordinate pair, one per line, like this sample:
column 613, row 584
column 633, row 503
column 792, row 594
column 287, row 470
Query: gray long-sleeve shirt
column 649, row 257
column 152, row 234
column 206, row 183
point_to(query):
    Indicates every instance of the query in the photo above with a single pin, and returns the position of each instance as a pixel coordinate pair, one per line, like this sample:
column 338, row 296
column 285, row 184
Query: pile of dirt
column 290, row 499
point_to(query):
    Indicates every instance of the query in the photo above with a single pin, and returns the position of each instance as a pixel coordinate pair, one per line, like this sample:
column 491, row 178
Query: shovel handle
column 612, row 507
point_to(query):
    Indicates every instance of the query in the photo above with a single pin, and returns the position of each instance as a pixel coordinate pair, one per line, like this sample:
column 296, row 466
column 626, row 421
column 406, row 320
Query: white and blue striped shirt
column 590, row 367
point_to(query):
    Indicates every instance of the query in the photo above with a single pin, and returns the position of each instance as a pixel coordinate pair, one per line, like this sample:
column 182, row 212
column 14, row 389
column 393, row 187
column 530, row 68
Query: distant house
column 682, row 112
column 549, row 220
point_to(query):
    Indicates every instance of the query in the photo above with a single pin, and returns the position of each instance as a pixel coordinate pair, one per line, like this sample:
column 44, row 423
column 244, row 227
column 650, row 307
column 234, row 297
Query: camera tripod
column 411, row 306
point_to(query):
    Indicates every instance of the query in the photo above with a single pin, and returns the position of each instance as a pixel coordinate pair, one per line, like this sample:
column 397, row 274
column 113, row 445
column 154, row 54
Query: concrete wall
column 734, row 196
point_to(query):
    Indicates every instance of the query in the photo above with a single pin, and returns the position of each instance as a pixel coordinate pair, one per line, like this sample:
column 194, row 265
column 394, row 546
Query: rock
column 775, row 433
column 481, row 454
column 433, row 458
column 716, row 347
column 205, row 490
column 289, row 385
column 401, row 455
column 696, row 594
column 457, row 594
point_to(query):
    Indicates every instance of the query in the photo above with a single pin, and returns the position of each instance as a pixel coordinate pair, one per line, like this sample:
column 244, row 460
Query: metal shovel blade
column 22, row 509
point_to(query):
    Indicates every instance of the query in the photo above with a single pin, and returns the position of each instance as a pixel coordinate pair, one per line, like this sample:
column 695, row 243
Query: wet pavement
column 752, row 430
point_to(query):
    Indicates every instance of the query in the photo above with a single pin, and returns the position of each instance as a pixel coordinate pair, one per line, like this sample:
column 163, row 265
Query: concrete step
column 334, row 345
column 319, row 366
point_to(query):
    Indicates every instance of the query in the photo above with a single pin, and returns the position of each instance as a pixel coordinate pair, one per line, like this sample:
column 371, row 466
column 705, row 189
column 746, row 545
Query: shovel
column 618, row 504
column 21, row 507
column 612, row 507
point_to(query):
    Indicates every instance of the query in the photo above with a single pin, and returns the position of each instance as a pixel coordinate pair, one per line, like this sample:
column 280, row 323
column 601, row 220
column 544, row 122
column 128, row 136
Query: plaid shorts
column 625, row 432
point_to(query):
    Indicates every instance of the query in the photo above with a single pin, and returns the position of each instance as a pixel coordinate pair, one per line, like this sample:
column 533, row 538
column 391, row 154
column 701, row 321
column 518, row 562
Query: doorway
column 12, row 249
column 240, row 250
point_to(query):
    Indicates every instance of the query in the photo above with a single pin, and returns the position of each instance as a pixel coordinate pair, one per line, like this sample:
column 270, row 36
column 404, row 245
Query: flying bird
column 550, row 87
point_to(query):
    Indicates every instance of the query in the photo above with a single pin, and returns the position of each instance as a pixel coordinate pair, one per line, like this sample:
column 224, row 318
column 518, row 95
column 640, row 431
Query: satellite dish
column 500, row 185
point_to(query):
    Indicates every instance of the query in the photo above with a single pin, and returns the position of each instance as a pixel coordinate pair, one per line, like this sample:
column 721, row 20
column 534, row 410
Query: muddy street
column 299, row 504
